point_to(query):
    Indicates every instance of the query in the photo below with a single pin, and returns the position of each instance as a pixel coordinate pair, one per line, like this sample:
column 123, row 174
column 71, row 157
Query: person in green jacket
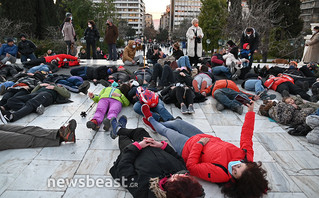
column 110, row 100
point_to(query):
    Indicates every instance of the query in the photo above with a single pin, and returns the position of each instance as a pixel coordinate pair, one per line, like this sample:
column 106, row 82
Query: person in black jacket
column 26, row 48
column 177, row 52
column 94, row 73
column 252, row 37
column 91, row 34
column 149, row 169
column 153, row 54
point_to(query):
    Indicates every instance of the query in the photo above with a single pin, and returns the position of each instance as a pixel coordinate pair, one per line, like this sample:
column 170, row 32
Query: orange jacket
column 277, row 81
column 220, row 84
column 200, row 159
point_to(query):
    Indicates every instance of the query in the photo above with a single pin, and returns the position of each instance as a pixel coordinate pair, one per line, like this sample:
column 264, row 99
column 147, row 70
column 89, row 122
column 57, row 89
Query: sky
column 156, row 8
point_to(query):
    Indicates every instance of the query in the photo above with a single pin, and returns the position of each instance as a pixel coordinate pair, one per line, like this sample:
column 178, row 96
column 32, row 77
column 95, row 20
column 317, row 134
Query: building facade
column 165, row 18
column 132, row 11
column 309, row 12
column 149, row 20
column 181, row 10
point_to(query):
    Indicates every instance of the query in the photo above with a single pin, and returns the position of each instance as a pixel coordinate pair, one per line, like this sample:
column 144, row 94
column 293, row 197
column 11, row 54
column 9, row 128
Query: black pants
column 90, row 44
column 165, row 74
column 182, row 95
column 128, row 136
column 292, row 89
column 11, row 93
column 35, row 62
column 194, row 60
column 244, row 71
column 310, row 80
column 24, row 105
column 8, row 70
column 68, row 45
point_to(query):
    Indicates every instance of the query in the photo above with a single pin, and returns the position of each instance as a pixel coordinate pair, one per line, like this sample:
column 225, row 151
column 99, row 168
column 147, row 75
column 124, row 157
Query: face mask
column 196, row 25
column 114, row 84
column 89, row 26
column 134, row 46
column 248, row 35
column 314, row 32
column 135, row 83
column 231, row 164
column 71, row 18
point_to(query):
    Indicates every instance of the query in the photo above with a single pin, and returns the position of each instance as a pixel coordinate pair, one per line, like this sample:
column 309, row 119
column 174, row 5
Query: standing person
column 252, row 37
column 26, row 48
column 111, row 35
column 312, row 53
column 91, row 34
column 8, row 52
column 194, row 40
column 68, row 34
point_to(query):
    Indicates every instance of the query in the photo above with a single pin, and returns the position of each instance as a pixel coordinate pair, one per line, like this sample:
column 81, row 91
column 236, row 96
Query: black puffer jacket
column 138, row 166
column 26, row 47
column 91, row 35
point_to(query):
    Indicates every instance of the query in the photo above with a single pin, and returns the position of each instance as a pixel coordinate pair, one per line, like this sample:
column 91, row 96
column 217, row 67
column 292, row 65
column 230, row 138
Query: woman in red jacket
column 214, row 160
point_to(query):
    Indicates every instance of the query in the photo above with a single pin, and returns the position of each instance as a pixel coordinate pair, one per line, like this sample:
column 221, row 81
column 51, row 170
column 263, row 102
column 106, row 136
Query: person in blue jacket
column 8, row 52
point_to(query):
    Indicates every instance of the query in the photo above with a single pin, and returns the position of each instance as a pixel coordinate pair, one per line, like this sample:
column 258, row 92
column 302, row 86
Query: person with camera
column 194, row 42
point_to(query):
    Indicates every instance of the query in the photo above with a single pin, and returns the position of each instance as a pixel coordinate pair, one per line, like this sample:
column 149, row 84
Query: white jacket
column 191, row 41
column 229, row 58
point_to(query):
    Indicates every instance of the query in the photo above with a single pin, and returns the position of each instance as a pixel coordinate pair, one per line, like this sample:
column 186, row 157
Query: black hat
column 9, row 40
column 23, row 35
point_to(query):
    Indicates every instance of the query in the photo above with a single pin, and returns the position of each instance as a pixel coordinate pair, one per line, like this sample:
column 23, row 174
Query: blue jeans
column 227, row 96
column 254, row 85
column 157, row 112
column 184, row 62
column 39, row 68
column 176, row 131
column 25, row 57
column 218, row 70
column 112, row 52
column 7, row 84
column 73, row 81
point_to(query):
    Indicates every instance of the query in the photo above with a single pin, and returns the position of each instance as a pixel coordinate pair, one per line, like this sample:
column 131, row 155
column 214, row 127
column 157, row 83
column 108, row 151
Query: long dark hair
column 234, row 51
column 184, row 187
column 251, row 184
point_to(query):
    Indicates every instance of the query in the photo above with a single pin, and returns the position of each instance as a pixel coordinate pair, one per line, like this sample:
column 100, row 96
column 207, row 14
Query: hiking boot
column 107, row 124
column 146, row 111
column 2, row 90
column 114, row 128
column 285, row 93
column 267, row 97
column 191, row 109
column 105, row 83
column 184, row 109
column 67, row 133
column 84, row 87
column 220, row 106
column 40, row 109
column 122, row 121
column 149, row 125
column 239, row 109
column 92, row 124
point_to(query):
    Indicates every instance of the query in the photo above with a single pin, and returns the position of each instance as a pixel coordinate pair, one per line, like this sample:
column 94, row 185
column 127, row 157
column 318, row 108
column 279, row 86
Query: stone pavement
column 292, row 163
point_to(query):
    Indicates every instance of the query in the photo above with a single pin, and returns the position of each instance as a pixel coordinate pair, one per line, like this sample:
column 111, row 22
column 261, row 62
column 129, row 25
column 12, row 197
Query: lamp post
column 208, row 45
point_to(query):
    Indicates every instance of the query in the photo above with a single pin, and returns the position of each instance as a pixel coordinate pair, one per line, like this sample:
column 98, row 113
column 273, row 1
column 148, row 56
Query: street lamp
column 208, row 42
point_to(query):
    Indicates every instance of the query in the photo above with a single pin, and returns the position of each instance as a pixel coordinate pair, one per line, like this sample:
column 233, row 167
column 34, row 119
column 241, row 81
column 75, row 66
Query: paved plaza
column 292, row 163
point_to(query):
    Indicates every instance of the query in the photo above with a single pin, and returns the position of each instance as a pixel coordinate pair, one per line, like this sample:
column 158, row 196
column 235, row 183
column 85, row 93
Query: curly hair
column 184, row 187
column 251, row 184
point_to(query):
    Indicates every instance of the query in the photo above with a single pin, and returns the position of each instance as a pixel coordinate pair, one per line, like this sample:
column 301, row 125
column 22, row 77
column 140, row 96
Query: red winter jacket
column 199, row 159
column 60, row 58
column 217, row 61
column 277, row 81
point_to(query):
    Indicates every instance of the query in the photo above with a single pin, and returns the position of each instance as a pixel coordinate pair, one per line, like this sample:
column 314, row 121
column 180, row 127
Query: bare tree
column 13, row 29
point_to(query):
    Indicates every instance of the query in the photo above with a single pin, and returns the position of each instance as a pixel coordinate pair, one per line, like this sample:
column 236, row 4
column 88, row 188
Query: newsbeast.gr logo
column 88, row 182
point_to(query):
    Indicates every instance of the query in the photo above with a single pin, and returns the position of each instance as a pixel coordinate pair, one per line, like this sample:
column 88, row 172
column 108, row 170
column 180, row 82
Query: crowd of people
column 159, row 169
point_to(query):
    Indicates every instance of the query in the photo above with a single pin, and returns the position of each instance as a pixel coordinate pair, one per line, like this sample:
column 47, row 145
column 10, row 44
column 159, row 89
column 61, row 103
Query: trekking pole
column 84, row 113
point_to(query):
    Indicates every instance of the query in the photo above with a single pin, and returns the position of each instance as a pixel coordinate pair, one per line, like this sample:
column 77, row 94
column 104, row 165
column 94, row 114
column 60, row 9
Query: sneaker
column 219, row 106
column 92, row 124
column 67, row 133
column 234, row 77
column 149, row 125
column 84, row 87
column 107, row 124
column 146, row 111
column 239, row 109
column 123, row 121
column 105, row 83
column 184, row 109
column 2, row 90
column 2, row 117
column 191, row 109
column 267, row 97
column 232, row 67
column 40, row 109
column 114, row 128
column 285, row 93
